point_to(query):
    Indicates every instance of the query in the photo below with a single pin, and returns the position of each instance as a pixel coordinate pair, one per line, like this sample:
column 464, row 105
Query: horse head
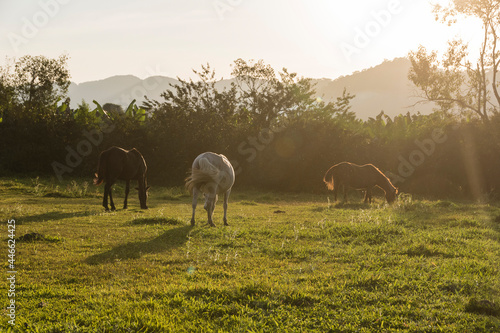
column 143, row 195
column 391, row 196
column 210, row 193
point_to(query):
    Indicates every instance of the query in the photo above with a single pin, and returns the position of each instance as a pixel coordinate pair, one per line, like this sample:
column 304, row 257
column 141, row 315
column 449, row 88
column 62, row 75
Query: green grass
column 286, row 263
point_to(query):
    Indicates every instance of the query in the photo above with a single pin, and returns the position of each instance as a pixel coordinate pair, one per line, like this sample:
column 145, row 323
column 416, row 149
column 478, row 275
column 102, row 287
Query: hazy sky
column 315, row 38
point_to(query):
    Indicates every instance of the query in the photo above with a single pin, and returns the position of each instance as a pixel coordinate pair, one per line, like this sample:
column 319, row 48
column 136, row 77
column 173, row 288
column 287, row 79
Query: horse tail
column 205, row 172
column 101, row 170
column 328, row 179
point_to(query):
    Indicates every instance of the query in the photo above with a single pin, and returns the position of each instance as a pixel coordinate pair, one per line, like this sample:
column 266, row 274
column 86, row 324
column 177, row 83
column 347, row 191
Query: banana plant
column 100, row 112
column 135, row 112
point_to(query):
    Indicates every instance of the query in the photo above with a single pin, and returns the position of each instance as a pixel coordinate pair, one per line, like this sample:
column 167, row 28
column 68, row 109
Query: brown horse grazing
column 360, row 177
column 120, row 164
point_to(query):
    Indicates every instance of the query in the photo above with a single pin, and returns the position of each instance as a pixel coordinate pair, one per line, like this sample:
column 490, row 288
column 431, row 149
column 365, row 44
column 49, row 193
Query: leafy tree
column 256, row 83
column 7, row 93
column 206, row 109
column 266, row 96
column 455, row 81
column 40, row 82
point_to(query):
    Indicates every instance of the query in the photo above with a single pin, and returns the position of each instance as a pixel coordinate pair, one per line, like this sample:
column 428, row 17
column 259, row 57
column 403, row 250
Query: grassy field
column 286, row 263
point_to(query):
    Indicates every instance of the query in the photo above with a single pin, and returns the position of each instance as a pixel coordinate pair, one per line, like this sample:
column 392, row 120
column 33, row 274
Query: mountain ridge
column 384, row 87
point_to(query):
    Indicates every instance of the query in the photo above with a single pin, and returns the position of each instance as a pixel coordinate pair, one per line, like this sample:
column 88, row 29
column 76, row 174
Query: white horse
column 211, row 174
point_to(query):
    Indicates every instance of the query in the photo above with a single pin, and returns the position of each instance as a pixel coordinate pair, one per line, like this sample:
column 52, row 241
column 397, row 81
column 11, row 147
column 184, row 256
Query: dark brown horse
column 120, row 164
column 360, row 177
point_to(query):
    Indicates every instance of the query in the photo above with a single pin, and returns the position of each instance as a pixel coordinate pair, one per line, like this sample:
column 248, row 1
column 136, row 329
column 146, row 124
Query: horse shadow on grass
column 167, row 241
column 52, row 216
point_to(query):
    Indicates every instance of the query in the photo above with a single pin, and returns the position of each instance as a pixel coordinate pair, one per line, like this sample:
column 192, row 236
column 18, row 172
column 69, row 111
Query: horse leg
column 210, row 201
column 226, row 199
column 110, row 195
column 105, row 198
column 336, row 186
column 195, row 201
column 368, row 196
column 345, row 193
column 210, row 207
column 142, row 190
column 127, row 188
column 210, row 213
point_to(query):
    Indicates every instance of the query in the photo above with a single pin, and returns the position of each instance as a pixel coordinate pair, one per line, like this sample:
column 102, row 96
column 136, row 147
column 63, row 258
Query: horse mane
column 329, row 183
column 137, row 153
column 384, row 178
